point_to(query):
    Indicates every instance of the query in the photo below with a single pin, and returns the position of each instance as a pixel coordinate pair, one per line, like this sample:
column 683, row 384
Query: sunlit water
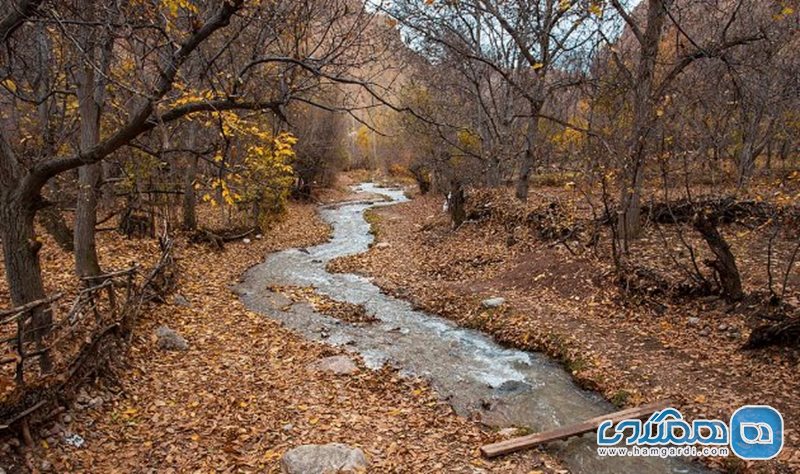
column 506, row 387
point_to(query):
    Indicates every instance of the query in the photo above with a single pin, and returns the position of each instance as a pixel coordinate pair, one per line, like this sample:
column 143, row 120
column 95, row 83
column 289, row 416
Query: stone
column 493, row 302
column 339, row 365
column 259, row 236
column 180, row 300
column 75, row 440
column 170, row 340
column 694, row 321
column 288, row 427
column 508, row 432
column 82, row 397
column 512, row 387
column 382, row 245
column 246, row 240
column 705, row 332
column 323, row 458
column 722, row 327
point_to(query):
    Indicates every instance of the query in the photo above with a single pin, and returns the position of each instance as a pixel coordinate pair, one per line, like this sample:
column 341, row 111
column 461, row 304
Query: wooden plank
column 529, row 441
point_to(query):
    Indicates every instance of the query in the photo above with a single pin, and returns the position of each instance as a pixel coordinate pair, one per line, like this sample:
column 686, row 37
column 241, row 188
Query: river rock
column 339, row 365
column 170, row 340
column 323, row 458
column 512, row 387
column 493, row 302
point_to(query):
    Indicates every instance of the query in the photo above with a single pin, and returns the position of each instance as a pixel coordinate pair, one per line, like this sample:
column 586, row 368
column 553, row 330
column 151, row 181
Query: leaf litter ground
column 242, row 394
column 632, row 351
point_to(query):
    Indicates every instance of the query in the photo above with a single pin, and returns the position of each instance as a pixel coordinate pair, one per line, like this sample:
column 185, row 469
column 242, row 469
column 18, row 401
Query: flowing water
column 506, row 387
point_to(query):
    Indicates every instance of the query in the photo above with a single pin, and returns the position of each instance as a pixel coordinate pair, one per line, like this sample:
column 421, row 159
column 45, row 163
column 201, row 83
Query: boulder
column 339, row 365
column 493, row 302
column 169, row 340
column 323, row 458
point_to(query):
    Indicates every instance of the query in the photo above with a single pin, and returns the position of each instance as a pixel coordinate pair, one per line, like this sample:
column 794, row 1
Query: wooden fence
column 45, row 343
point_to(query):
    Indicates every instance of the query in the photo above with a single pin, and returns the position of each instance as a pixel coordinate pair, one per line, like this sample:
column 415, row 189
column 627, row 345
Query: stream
column 506, row 387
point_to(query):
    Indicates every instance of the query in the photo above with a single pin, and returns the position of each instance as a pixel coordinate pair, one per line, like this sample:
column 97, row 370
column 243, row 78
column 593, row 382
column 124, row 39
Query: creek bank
column 502, row 387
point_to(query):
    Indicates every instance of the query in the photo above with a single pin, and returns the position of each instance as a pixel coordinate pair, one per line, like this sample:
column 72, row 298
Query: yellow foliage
column 261, row 176
column 10, row 85
column 469, row 140
column 362, row 138
column 175, row 6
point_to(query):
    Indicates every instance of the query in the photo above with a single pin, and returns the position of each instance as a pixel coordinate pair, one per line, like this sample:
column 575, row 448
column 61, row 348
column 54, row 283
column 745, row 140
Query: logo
column 756, row 432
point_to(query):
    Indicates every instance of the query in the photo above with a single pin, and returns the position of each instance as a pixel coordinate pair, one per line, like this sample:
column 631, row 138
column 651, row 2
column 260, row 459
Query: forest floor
column 243, row 393
column 632, row 350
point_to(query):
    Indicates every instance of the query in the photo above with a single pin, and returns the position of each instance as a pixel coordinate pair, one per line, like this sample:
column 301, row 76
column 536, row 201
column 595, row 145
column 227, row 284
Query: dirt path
column 242, row 394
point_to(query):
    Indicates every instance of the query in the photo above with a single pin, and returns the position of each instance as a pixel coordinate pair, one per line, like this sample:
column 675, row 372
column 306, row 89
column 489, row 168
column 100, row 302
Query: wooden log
column 529, row 441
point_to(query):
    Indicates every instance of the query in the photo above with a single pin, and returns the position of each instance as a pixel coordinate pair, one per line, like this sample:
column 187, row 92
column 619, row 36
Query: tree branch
column 142, row 119
column 19, row 13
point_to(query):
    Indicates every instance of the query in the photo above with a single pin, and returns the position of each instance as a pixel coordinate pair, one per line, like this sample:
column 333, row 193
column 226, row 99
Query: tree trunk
column 494, row 174
column 644, row 120
column 745, row 159
column 86, row 261
column 422, row 176
column 189, row 177
column 20, row 250
column 91, row 95
column 629, row 220
column 725, row 262
column 22, row 268
column 189, row 196
column 51, row 219
column 529, row 157
column 455, row 203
